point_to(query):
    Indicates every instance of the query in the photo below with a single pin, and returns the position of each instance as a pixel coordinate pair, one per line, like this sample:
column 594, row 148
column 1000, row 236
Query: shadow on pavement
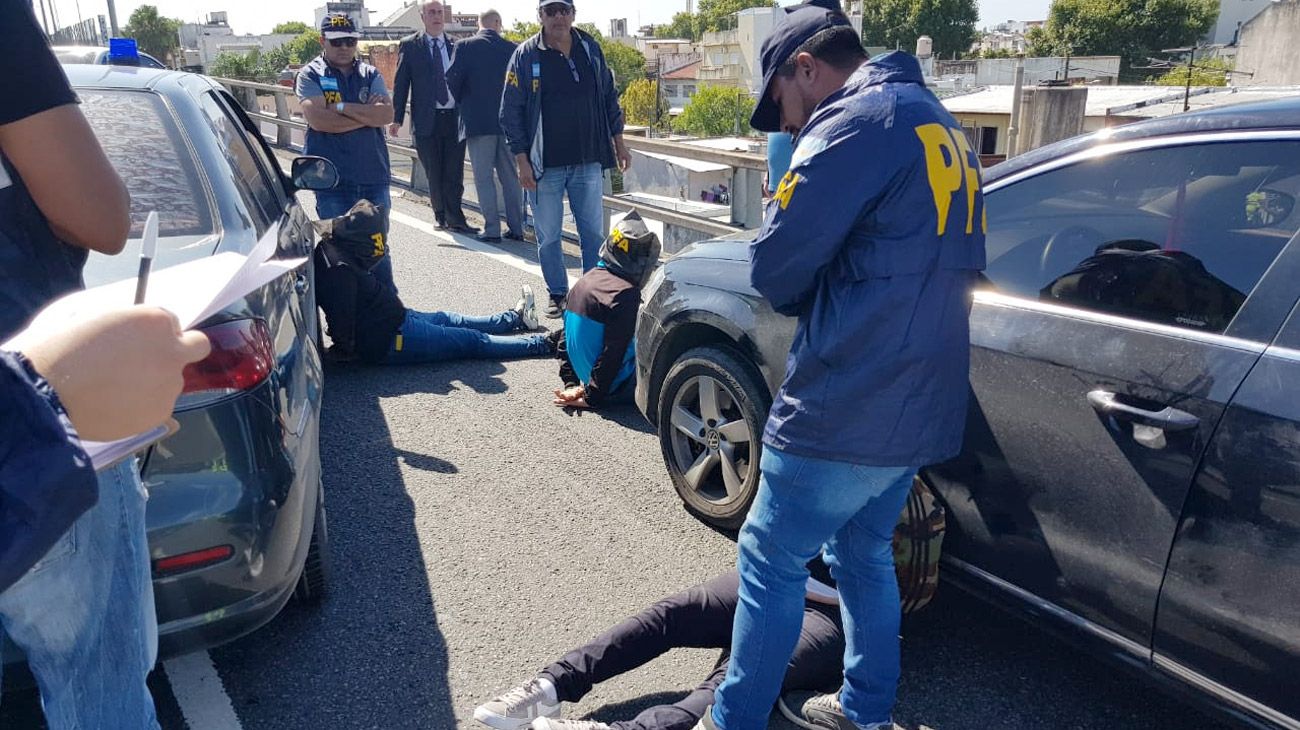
column 628, row 709
column 373, row 654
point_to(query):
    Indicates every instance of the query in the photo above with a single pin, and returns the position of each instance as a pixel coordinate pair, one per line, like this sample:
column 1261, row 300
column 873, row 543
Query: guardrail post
column 283, row 133
column 747, row 197
column 419, row 181
column 607, row 189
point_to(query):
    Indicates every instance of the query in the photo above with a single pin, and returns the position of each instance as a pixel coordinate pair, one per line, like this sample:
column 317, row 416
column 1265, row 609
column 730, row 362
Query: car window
column 261, row 149
column 143, row 142
column 244, row 172
column 1175, row 235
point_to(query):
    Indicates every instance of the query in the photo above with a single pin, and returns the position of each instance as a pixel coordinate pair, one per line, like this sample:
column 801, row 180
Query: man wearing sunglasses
column 562, row 121
column 346, row 105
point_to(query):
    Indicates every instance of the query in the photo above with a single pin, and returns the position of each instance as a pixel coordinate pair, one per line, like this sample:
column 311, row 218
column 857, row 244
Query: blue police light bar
column 123, row 49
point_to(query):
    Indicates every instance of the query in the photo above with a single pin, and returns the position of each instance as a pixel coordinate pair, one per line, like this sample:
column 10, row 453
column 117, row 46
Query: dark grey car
column 1132, row 450
column 236, row 516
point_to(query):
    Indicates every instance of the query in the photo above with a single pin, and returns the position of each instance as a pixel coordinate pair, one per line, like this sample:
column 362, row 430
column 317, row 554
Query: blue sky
column 258, row 16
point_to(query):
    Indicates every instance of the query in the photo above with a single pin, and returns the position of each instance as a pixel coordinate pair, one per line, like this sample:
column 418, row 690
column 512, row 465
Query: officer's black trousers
column 698, row 617
column 443, row 156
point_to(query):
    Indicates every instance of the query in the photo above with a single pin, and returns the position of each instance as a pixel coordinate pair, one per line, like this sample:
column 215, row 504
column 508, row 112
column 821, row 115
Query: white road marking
column 468, row 242
column 200, row 694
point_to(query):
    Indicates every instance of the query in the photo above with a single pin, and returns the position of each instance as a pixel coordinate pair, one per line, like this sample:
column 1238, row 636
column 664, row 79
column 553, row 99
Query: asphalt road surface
column 477, row 532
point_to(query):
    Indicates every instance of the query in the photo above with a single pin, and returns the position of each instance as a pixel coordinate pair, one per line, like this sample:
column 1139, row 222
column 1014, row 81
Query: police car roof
column 117, row 77
column 1279, row 114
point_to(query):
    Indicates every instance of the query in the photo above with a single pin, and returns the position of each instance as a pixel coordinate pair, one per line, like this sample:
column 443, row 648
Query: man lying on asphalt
column 699, row 618
column 597, row 360
column 367, row 321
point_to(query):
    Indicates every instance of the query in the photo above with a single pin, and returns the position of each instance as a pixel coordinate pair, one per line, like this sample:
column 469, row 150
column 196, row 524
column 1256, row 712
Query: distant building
column 406, row 20
column 1267, row 46
column 1233, row 14
column 731, row 57
column 617, row 28
column 995, row 71
column 354, row 9
column 201, row 43
column 679, row 85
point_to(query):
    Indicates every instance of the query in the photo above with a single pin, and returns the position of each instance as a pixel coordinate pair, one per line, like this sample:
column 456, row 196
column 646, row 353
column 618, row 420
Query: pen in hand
column 148, row 247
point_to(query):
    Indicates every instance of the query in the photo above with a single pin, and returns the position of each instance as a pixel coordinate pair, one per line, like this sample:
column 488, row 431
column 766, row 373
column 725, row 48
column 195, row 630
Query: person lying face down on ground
column 366, row 320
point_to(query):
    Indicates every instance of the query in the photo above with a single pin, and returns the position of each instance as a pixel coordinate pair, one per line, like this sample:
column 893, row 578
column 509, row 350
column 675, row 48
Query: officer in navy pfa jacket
column 346, row 106
column 597, row 358
column 477, row 78
column 873, row 240
column 422, row 64
column 563, row 123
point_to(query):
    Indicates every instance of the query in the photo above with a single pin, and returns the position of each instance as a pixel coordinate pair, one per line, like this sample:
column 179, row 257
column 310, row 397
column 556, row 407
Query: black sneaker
column 555, row 309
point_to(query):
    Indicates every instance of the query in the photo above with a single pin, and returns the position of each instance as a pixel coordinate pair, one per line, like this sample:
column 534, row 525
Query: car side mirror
column 1266, row 208
column 314, row 173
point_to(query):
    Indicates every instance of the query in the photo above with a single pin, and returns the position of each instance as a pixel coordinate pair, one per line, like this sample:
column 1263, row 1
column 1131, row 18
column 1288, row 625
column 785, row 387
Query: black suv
column 1131, row 468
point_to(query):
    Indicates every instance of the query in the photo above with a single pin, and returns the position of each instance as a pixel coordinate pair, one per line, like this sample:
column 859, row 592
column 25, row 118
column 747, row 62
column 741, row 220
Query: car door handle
column 1166, row 419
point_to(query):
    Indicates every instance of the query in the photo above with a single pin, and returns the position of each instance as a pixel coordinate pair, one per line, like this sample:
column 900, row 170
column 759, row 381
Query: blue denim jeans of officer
column 848, row 512
column 84, row 614
column 585, row 185
column 337, row 201
column 435, row 336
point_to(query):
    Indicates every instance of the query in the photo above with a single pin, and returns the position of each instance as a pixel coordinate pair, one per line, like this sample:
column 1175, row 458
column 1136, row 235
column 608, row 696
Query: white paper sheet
column 192, row 291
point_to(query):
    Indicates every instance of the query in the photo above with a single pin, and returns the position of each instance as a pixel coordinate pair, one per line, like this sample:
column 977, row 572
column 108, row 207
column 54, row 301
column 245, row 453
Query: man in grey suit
column 477, row 77
column 422, row 63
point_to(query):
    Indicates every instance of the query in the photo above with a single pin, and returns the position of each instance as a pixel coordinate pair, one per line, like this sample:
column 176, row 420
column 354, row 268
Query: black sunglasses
column 342, row 42
column 555, row 9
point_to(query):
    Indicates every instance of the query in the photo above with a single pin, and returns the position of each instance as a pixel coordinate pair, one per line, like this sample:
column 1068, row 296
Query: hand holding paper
column 117, row 368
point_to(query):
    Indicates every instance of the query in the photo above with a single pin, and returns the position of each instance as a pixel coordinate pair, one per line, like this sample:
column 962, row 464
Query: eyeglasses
column 555, row 9
column 342, row 42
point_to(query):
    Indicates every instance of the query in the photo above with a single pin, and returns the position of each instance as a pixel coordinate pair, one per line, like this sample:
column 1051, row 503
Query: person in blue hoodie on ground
column 595, row 348
column 873, row 240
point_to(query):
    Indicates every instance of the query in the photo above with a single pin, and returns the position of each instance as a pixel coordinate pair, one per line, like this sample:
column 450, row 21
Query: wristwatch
column 339, row 107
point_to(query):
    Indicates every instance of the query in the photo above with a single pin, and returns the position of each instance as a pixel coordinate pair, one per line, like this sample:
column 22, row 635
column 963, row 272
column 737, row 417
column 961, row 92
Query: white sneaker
column 527, row 307
column 547, row 723
column 516, row 709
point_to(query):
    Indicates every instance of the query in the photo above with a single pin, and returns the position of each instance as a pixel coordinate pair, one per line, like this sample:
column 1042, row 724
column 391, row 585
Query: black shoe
column 825, row 711
column 512, row 236
column 464, row 228
column 440, row 225
column 555, row 309
column 485, row 238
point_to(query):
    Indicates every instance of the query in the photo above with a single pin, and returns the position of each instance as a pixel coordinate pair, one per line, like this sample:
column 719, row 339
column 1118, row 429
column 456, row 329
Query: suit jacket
column 415, row 81
column 477, row 78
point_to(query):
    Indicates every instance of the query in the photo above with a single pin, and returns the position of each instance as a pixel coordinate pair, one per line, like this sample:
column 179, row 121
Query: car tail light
column 242, row 357
column 192, row 560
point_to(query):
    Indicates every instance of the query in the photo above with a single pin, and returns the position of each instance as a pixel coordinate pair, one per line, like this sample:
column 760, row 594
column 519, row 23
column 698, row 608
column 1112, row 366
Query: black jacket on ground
column 476, row 78
column 363, row 315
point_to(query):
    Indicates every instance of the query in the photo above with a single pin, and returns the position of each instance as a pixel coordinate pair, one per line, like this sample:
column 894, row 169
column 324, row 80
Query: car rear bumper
column 232, row 476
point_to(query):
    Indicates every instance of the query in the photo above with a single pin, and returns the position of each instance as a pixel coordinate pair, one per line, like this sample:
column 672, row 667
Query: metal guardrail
column 746, row 203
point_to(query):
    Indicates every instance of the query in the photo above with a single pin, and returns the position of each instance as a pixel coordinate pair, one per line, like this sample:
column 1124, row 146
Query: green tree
column 684, row 25
column 1132, row 29
column 154, row 34
column 720, row 14
column 242, row 66
column 522, row 31
column 898, row 23
column 716, row 111
column 1209, row 72
column 304, row 48
column 291, row 26
column 627, row 63
column 643, row 104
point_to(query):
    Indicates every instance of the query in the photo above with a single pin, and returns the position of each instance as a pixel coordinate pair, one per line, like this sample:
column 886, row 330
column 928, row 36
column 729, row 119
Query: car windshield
column 144, row 143
column 77, row 55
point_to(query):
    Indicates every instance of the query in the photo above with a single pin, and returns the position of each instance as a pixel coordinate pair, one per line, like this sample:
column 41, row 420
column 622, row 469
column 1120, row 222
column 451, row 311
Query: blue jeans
column 84, row 615
column 338, row 200
column 848, row 512
column 434, row 336
column 585, row 185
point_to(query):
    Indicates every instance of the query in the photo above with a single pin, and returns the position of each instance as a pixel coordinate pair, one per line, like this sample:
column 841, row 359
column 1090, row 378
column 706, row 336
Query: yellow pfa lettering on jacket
column 378, row 240
column 950, row 166
column 512, row 78
column 618, row 240
column 785, row 190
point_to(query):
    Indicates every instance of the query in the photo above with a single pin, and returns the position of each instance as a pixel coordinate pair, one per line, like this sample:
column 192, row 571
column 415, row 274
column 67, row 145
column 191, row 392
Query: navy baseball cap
column 338, row 25
column 801, row 22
